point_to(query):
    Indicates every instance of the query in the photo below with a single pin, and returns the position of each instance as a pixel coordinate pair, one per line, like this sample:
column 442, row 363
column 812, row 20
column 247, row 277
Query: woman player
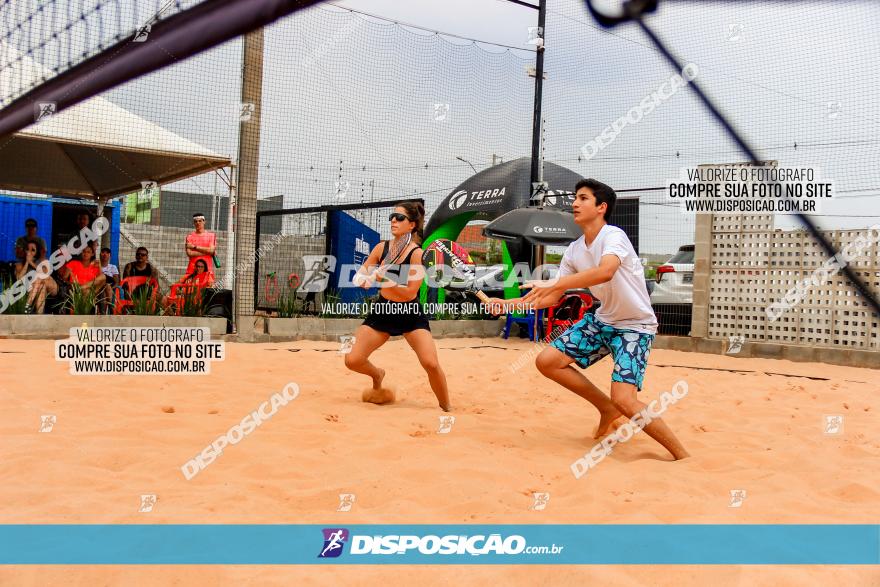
column 398, row 311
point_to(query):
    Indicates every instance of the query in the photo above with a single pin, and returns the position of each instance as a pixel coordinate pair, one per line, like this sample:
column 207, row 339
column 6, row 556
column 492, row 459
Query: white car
column 673, row 295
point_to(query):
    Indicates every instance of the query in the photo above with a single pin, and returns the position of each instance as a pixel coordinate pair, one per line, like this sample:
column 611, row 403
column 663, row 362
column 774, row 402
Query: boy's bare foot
column 609, row 422
column 377, row 382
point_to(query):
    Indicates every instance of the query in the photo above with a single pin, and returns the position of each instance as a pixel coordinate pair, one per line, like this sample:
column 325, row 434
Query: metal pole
column 539, row 84
column 229, row 279
column 537, row 167
column 245, row 209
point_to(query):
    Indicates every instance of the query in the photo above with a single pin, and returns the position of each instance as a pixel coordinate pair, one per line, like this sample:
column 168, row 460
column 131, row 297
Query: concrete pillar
column 245, row 208
column 702, row 273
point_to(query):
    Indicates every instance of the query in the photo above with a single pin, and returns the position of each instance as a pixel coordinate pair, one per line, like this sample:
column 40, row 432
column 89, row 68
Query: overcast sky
column 798, row 79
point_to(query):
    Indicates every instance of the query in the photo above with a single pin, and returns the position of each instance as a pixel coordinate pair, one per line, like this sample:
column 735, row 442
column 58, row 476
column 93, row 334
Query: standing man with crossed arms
column 200, row 244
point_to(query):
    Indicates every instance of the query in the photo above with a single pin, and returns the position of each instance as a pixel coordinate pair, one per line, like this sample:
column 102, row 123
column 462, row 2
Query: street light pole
column 468, row 162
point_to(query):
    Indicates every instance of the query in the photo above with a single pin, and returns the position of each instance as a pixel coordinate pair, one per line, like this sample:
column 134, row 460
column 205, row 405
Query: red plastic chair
column 121, row 295
column 584, row 302
column 180, row 291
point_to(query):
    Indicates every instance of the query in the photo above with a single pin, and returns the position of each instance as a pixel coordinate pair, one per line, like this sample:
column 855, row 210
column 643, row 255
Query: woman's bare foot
column 377, row 381
column 609, row 422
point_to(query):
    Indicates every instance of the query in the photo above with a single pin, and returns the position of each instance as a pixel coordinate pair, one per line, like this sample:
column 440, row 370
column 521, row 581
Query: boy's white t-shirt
column 625, row 300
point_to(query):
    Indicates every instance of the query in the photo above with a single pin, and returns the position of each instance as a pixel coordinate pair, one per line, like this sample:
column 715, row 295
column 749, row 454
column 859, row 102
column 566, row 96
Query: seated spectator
column 141, row 266
column 39, row 288
column 30, row 228
column 108, row 268
column 85, row 271
column 200, row 277
column 83, row 220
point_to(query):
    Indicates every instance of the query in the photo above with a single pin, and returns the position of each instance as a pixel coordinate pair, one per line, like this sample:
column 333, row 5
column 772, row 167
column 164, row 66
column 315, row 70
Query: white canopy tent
column 95, row 149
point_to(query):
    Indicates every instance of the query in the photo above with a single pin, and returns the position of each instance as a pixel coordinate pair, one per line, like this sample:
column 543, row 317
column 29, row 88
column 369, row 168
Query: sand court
column 117, row 438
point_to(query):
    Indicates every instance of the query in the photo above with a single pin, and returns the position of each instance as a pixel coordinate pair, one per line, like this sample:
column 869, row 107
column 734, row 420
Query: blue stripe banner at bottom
column 749, row 544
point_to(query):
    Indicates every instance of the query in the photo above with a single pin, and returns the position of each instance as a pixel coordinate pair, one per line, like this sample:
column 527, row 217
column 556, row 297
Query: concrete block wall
column 167, row 253
column 743, row 265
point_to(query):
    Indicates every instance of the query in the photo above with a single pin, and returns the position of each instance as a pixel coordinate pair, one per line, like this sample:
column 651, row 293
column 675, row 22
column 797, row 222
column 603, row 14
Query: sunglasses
column 398, row 216
column 140, row 255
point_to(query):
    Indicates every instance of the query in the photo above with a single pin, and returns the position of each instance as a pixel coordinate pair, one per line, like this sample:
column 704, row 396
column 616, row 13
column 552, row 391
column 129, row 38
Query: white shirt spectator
column 110, row 270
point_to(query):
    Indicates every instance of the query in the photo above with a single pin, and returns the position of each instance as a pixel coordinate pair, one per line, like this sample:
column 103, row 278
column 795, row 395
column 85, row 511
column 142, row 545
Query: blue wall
column 14, row 211
column 350, row 242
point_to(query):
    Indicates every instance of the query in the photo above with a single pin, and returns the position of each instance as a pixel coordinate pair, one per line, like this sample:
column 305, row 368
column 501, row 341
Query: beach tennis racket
column 396, row 248
column 453, row 255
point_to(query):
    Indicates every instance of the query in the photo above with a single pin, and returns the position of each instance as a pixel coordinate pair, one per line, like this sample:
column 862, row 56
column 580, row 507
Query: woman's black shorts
column 396, row 318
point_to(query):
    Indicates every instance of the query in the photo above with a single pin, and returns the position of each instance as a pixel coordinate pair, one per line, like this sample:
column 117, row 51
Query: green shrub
column 82, row 302
column 19, row 306
column 143, row 303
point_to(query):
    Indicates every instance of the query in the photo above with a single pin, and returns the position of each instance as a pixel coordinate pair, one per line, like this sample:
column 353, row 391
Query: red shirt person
column 85, row 271
column 200, row 244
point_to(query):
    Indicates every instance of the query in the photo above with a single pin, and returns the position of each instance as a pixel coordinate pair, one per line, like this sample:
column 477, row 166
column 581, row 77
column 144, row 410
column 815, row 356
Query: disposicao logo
column 334, row 541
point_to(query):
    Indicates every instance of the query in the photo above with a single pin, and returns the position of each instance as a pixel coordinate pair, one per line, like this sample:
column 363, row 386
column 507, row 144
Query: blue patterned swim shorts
column 589, row 340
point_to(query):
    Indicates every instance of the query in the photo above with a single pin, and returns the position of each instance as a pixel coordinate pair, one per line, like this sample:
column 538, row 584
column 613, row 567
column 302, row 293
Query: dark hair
column 603, row 194
column 88, row 246
column 416, row 213
column 106, row 250
column 195, row 266
column 144, row 249
column 30, row 221
column 32, row 241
